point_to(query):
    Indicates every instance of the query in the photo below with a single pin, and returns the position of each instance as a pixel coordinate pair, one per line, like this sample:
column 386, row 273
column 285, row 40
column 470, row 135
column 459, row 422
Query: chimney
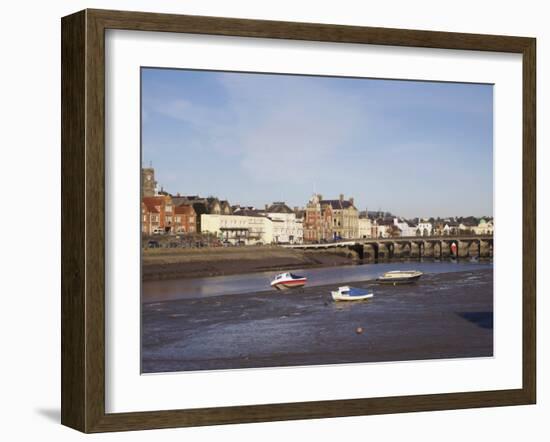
column 341, row 197
column 351, row 201
column 266, row 207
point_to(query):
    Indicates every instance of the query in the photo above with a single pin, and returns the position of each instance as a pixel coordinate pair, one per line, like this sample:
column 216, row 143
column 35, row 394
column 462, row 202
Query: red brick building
column 163, row 207
column 185, row 219
column 317, row 220
column 150, row 219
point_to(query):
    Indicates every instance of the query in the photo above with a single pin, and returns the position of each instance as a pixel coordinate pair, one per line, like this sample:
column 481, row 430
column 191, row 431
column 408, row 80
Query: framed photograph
column 270, row 220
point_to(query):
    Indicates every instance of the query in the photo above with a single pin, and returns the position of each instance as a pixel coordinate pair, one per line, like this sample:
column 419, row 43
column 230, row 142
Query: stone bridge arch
column 374, row 248
column 486, row 248
column 386, row 249
column 437, row 249
column 420, row 249
column 359, row 249
column 405, row 249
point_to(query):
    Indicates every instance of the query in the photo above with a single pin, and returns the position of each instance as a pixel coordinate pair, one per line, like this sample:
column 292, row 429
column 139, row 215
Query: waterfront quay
column 173, row 260
column 444, row 315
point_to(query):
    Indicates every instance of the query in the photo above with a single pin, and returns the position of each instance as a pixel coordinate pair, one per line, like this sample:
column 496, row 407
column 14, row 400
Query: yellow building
column 484, row 227
column 364, row 227
column 239, row 229
column 345, row 218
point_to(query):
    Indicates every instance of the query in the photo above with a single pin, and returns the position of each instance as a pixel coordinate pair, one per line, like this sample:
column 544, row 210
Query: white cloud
column 283, row 129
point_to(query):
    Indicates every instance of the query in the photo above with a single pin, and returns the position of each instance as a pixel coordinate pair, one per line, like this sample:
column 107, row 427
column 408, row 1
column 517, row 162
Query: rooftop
column 279, row 207
column 337, row 204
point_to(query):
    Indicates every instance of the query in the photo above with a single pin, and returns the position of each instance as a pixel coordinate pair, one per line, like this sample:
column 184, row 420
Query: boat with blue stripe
column 347, row 293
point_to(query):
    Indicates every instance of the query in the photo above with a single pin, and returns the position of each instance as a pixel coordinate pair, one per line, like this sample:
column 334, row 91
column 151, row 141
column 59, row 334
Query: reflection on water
column 154, row 291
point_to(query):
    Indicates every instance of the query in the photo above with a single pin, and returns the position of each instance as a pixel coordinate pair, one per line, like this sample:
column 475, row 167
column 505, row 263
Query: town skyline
column 415, row 149
column 263, row 205
column 319, row 220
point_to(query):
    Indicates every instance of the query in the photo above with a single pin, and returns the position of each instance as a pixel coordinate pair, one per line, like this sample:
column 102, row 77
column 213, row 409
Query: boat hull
column 397, row 280
column 289, row 285
column 340, row 297
column 347, row 293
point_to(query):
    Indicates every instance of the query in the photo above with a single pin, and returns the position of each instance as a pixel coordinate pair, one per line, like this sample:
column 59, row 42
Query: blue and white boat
column 347, row 293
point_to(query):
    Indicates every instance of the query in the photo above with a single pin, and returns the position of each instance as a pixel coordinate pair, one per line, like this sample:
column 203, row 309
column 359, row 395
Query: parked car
column 152, row 244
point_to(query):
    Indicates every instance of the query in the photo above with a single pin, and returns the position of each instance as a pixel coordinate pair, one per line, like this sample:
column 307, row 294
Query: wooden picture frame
column 83, row 220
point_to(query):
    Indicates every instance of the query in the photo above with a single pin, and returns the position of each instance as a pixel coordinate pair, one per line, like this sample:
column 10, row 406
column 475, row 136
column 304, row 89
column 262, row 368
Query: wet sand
column 446, row 315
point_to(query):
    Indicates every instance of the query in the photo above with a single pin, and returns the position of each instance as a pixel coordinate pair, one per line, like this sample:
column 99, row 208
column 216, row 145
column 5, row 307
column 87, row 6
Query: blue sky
column 408, row 147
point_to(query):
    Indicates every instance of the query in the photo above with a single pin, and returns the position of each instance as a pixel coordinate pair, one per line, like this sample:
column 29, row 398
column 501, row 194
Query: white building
column 286, row 228
column 424, row 228
column 407, row 229
column 365, row 228
column 239, row 229
column 381, row 229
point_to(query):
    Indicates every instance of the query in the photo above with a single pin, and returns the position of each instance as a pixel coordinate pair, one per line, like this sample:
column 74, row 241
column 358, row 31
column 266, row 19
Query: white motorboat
column 285, row 281
column 399, row 277
column 347, row 293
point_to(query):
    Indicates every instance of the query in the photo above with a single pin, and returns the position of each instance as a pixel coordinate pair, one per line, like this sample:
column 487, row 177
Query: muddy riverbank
column 194, row 263
column 445, row 315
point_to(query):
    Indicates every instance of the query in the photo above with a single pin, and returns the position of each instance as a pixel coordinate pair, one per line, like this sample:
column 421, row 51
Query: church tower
column 148, row 183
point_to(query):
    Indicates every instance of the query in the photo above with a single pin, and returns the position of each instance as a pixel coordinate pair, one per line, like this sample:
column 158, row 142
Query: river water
column 175, row 289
